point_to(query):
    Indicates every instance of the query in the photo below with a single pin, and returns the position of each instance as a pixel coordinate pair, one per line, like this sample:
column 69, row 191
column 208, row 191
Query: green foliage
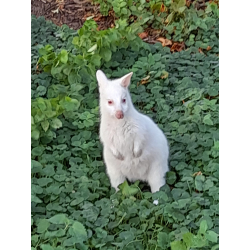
column 73, row 205
column 180, row 23
column 200, row 241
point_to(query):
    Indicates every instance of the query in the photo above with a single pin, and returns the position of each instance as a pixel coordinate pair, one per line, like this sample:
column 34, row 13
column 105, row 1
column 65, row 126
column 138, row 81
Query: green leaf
column 126, row 235
column 72, row 77
column 188, row 239
column 181, row 9
column 96, row 60
column 163, row 240
column 35, row 199
column 57, row 233
column 124, row 11
column 45, row 125
column 70, row 241
column 44, row 181
column 207, row 185
column 36, row 164
column 93, row 48
column 199, row 180
column 170, row 17
column 181, row 3
column 177, row 245
column 58, row 219
column 56, row 123
column 79, row 231
column 182, row 129
column 128, row 190
column 106, row 54
column 207, row 119
column 211, row 236
column 101, row 233
column 69, row 104
column 37, row 151
column 199, row 241
column 41, row 90
column 215, row 247
column 42, row 226
column 203, row 227
column 35, row 134
column 47, row 247
column 56, row 70
column 171, row 177
column 41, row 104
column 64, row 56
column 77, row 201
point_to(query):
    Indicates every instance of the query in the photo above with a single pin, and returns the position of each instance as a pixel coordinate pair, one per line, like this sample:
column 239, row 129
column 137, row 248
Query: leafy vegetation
column 73, row 205
column 178, row 20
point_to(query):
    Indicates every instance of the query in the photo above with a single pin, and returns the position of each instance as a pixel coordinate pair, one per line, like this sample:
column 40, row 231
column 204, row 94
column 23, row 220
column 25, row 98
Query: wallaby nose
column 119, row 114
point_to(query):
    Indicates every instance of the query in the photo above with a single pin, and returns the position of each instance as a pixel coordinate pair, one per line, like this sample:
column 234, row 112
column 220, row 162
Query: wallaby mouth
column 119, row 114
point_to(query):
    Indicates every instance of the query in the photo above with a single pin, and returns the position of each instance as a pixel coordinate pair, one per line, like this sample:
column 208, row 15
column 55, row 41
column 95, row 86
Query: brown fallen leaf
column 215, row 1
column 188, row 2
column 145, row 79
column 97, row 18
column 209, row 47
column 200, row 50
column 143, row 35
column 164, row 41
column 111, row 13
column 197, row 173
column 162, row 9
column 178, row 47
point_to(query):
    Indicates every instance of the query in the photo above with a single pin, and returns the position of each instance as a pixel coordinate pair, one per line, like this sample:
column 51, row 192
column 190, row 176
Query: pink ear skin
column 119, row 114
column 126, row 80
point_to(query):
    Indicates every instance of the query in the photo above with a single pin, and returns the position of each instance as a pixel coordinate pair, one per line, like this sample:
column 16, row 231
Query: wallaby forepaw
column 119, row 156
column 137, row 153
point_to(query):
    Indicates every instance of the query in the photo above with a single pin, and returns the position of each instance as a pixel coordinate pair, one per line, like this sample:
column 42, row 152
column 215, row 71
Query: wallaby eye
column 110, row 102
column 123, row 100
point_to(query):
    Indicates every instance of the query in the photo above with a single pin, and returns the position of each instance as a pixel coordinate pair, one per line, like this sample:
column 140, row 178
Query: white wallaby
column 134, row 146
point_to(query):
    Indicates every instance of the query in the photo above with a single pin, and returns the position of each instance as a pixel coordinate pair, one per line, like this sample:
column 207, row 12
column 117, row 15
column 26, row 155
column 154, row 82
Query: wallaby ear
column 125, row 80
column 101, row 78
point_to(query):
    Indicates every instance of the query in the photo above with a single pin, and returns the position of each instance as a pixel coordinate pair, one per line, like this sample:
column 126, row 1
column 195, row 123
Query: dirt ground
column 70, row 12
column 74, row 13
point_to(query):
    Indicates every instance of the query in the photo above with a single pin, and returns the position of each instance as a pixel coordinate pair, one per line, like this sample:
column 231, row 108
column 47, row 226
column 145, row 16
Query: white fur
column 134, row 147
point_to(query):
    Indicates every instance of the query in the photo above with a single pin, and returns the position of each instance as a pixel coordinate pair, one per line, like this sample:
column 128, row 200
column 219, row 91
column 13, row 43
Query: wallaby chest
column 120, row 136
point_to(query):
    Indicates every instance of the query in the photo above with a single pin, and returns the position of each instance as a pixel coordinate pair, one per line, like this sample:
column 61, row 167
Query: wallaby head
column 114, row 95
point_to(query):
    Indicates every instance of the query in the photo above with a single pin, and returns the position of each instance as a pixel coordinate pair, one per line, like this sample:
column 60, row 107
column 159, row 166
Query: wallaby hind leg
column 115, row 175
column 156, row 179
column 156, row 183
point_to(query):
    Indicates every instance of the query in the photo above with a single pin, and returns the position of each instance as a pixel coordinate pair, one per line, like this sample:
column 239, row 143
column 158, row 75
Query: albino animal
column 134, row 146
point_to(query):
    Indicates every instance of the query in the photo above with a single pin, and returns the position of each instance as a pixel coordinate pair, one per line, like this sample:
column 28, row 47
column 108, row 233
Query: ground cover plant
column 177, row 20
column 72, row 203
